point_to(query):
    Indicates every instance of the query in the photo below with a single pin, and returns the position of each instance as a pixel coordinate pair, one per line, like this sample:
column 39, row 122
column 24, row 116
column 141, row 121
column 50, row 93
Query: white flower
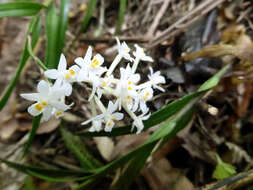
column 145, row 95
column 155, row 79
column 47, row 99
column 138, row 121
column 108, row 117
column 84, row 64
column 96, row 126
column 140, row 54
column 123, row 50
column 126, row 86
column 63, row 75
column 90, row 68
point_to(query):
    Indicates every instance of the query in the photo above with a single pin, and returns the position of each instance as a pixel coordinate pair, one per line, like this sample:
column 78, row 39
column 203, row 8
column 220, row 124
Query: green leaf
column 231, row 180
column 29, row 184
column 20, row 9
column 34, row 30
column 213, row 81
column 168, row 130
column 223, row 170
column 76, row 146
column 52, row 174
column 91, row 6
column 35, row 126
column 122, row 10
column 52, row 57
column 63, row 23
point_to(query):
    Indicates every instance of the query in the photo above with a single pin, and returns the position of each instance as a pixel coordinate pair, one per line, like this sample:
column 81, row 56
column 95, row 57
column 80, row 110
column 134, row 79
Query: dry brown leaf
column 48, row 126
column 105, row 146
column 161, row 175
column 8, row 122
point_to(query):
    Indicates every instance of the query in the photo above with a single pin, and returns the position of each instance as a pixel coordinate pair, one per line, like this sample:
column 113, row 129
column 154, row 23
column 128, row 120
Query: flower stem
column 100, row 104
column 114, row 64
column 135, row 65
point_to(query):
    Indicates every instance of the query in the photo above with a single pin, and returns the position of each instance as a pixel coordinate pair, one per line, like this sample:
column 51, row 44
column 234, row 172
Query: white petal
column 99, row 93
column 147, row 58
column 31, row 96
column 43, row 87
column 99, row 58
column 146, row 116
column 118, row 42
column 52, row 74
column 118, row 116
column 97, row 118
column 68, row 88
column 79, row 61
column 33, row 111
column 109, row 128
column 143, row 106
column 100, row 70
column 110, row 107
column 88, row 54
column 138, row 123
column 86, row 122
column 82, row 75
column 75, row 68
column 159, row 88
column 59, row 105
column 47, row 112
column 62, row 63
column 97, row 124
column 92, row 129
column 135, row 78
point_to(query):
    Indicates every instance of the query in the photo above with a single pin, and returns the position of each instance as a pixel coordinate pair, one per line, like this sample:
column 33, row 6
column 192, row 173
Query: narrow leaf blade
column 76, row 146
column 12, row 9
column 52, row 57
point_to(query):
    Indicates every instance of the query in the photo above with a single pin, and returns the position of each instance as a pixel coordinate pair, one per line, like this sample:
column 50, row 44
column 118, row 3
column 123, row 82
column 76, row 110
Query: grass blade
column 12, row 9
column 52, row 58
column 34, row 30
column 57, row 175
column 35, row 126
column 76, row 146
column 91, row 7
column 122, row 10
column 63, row 23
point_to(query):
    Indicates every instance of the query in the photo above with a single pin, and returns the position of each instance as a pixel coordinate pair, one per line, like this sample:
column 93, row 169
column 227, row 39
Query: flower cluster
column 128, row 93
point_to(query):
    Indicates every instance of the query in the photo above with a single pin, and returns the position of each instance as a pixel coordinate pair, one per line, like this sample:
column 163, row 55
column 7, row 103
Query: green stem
column 41, row 64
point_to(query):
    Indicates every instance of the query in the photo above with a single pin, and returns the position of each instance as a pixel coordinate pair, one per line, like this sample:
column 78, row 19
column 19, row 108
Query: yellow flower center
column 109, row 123
column 129, row 82
column 130, row 88
column 72, row 72
column 38, row 107
column 144, row 98
column 94, row 63
column 58, row 113
column 103, row 84
column 43, row 103
column 147, row 94
column 67, row 76
column 112, row 118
